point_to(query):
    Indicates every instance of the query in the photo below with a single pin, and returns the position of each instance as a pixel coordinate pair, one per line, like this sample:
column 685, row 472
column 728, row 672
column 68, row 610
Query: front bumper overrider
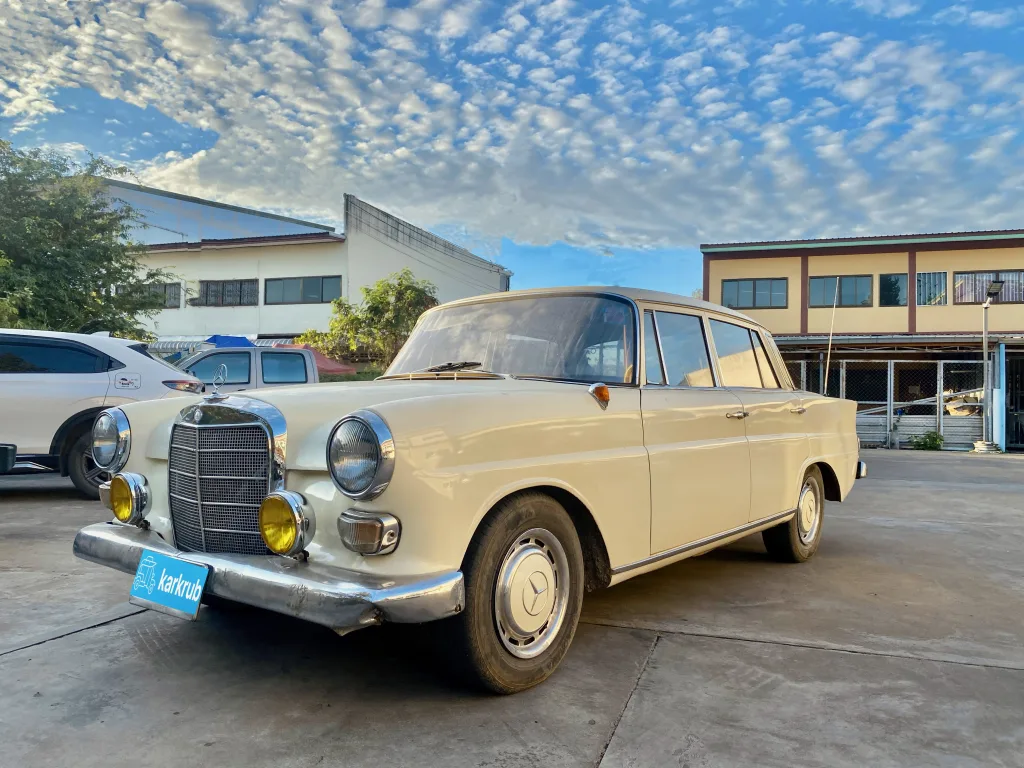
column 341, row 599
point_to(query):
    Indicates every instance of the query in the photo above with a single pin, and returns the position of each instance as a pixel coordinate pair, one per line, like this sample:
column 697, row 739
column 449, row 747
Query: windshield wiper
column 459, row 365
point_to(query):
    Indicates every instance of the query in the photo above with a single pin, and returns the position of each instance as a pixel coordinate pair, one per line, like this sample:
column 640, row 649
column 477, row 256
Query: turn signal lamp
column 601, row 393
column 286, row 523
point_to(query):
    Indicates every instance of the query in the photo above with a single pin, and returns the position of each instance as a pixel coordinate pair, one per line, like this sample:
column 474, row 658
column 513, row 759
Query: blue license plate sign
column 169, row 584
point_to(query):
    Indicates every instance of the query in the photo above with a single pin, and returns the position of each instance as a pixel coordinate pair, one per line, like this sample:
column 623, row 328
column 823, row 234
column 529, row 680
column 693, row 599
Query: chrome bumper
column 862, row 470
column 340, row 599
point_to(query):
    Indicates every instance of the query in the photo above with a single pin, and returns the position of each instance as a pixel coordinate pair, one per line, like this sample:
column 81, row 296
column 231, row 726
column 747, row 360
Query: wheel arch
column 597, row 566
column 833, row 491
column 68, row 432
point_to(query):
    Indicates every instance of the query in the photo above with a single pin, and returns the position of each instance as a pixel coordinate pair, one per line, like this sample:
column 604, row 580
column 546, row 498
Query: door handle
column 799, row 410
column 737, row 415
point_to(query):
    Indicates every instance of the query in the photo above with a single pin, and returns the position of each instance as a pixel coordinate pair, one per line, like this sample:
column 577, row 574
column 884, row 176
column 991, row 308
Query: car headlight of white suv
column 361, row 455
column 111, row 440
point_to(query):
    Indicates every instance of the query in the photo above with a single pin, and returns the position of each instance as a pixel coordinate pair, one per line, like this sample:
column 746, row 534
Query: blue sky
column 574, row 142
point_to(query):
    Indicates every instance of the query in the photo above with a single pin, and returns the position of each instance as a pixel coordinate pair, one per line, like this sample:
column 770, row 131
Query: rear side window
column 49, row 357
column 736, row 359
column 237, row 364
column 768, row 378
column 687, row 362
column 284, row 368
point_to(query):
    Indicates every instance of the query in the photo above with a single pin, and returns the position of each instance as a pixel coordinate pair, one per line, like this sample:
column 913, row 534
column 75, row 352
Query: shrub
column 929, row 441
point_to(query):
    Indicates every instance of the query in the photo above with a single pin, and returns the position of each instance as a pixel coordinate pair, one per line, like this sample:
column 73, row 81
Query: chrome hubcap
column 530, row 593
column 808, row 513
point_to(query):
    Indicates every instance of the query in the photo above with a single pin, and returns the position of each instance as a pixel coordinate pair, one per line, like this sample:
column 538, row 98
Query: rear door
column 238, row 370
column 43, row 382
column 700, row 465
column 774, row 420
column 280, row 368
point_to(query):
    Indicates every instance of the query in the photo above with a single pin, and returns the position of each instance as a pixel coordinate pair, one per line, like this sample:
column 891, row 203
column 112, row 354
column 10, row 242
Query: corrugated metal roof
column 314, row 237
column 838, row 242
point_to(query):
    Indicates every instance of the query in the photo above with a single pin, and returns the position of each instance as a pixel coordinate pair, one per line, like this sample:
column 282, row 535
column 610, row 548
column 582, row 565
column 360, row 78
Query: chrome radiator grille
column 218, row 477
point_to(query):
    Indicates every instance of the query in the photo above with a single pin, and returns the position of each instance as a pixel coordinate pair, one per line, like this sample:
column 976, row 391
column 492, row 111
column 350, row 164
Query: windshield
column 576, row 338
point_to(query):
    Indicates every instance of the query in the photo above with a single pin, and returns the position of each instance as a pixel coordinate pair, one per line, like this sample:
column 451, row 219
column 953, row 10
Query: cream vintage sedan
column 522, row 449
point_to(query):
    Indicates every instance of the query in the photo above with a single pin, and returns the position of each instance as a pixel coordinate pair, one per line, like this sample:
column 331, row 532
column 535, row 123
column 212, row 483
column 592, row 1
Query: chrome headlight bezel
column 123, row 441
column 385, row 444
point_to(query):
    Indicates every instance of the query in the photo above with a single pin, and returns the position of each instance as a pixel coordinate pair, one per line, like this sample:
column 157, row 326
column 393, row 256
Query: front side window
column 761, row 293
column 228, row 293
column 685, row 350
column 303, row 290
column 736, row 360
column 972, row 287
column 284, row 368
column 854, row 291
column 237, row 364
column 574, row 338
column 892, row 290
column 652, row 361
column 931, row 289
column 43, row 357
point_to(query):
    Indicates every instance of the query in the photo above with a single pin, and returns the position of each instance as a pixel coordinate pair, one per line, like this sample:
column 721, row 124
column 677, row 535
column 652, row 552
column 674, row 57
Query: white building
column 280, row 281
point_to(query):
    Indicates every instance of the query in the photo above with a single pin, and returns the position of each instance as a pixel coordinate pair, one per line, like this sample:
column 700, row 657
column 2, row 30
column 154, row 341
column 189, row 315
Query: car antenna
column 828, row 354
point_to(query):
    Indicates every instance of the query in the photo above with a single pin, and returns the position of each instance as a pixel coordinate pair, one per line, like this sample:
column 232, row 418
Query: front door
column 1015, row 402
column 700, row 465
column 774, row 421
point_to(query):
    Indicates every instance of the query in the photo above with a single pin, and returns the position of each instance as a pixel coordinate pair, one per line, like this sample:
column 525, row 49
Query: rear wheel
column 797, row 540
column 524, row 593
column 82, row 468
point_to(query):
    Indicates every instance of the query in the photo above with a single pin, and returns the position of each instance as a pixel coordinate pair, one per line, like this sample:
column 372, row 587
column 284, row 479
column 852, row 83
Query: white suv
column 52, row 385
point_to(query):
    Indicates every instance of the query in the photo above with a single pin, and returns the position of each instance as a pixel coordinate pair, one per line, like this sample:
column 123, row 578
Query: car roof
column 634, row 294
column 99, row 340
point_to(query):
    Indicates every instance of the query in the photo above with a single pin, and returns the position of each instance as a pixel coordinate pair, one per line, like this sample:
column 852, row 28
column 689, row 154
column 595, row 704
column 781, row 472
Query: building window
column 972, row 287
column 763, row 293
column 892, row 290
column 931, row 289
column 303, row 290
column 854, row 291
column 170, row 292
column 227, row 293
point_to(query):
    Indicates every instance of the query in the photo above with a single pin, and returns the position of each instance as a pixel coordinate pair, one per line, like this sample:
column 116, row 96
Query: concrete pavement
column 899, row 644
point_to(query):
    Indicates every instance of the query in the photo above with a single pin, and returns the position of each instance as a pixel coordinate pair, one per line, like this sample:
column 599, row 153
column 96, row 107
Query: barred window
column 931, row 288
column 228, row 293
column 972, row 287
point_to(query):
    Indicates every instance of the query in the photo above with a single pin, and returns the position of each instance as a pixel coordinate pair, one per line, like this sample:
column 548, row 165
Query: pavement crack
column 121, row 613
column 625, row 706
column 984, row 664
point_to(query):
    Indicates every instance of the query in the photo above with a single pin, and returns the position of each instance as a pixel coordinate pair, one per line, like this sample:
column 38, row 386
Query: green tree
column 66, row 244
column 381, row 324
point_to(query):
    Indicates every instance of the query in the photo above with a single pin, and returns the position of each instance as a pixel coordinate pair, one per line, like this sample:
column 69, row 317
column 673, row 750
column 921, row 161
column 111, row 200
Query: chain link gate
column 898, row 400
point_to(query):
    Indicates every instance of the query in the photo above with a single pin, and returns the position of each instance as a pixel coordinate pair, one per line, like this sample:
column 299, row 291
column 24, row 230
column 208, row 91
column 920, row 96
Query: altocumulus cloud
column 643, row 125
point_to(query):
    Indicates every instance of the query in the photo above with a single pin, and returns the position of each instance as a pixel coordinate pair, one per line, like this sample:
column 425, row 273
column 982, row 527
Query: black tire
column 83, row 470
column 473, row 640
column 796, row 540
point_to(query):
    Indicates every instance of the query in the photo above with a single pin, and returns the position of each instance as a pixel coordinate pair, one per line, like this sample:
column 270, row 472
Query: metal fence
column 899, row 400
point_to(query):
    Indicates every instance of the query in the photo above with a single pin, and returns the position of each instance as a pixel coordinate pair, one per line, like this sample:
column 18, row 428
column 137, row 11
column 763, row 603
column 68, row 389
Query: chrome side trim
column 338, row 598
column 703, row 542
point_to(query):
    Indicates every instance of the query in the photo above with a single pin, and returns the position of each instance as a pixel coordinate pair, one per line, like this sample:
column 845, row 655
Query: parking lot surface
column 900, row 643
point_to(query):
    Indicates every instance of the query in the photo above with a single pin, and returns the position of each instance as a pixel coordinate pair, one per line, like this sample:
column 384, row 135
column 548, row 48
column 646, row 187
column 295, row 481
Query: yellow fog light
column 287, row 524
column 129, row 496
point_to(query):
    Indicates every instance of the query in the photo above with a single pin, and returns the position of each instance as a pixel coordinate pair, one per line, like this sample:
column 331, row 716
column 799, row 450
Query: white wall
column 247, row 262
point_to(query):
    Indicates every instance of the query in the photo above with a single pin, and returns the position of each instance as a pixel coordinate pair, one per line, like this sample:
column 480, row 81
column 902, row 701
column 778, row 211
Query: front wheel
column 797, row 540
column 83, row 470
column 524, row 592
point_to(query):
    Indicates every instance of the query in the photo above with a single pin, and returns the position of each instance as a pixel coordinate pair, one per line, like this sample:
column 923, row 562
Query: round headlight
column 129, row 497
column 361, row 455
column 111, row 440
